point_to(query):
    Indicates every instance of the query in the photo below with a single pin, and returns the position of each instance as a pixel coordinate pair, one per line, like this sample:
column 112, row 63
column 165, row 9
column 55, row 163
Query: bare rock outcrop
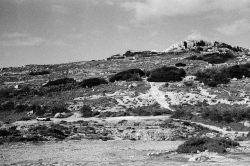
column 201, row 45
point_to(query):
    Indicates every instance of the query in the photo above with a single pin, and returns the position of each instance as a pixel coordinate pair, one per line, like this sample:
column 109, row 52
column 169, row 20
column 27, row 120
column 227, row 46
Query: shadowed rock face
column 203, row 45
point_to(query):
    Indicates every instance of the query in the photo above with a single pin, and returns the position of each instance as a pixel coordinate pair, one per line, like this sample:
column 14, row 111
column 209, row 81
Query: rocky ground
column 117, row 141
column 134, row 138
column 115, row 152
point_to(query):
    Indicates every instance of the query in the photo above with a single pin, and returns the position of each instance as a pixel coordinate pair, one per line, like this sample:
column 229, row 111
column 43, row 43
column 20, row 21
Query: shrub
column 182, row 114
column 113, row 114
column 60, row 82
column 4, row 93
column 54, row 131
column 8, row 106
column 180, row 65
column 43, row 72
column 86, row 111
column 128, row 75
column 238, row 71
column 152, row 110
column 213, row 77
column 92, row 82
column 22, row 108
column 213, row 58
column 225, row 114
column 195, row 144
column 29, row 138
column 58, row 108
column 38, row 110
column 166, row 74
column 4, row 133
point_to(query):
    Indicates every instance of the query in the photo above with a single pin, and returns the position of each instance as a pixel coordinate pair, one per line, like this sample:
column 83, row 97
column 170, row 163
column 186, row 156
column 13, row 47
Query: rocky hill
column 206, row 46
column 193, row 89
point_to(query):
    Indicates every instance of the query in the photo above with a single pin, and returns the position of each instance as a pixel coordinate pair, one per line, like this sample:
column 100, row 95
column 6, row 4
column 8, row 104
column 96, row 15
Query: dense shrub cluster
column 92, row 82
column 43, row 72
column 5, row 92
column 214, row 76
column 218, row 145
column 113, row 114
column 227, row 115
column 182, row 114
column 213, row 58
column 7, row 106
column 180, row 65
column 58, row 108
column 60, row 82
column 86, row 111
column 54, row 130
column 166, row 74
column 152, row 110
column 18, row 108
column 128, row 75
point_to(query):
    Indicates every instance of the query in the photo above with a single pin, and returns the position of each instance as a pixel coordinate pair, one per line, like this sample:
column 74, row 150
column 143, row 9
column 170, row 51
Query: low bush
column 214, row 76
column 43, row 72
column 60, row 82
column 86, row 111
column 113, row 114
column 30, row 138
column 7, row 106
column 195, row 144
column 22, row 108
column 227, row 115
column 53, row 131
column 180, row 65
column 213, row 58
column 5, row 92
column 4, row 133
column 153, row 110
column 92, row 82
column 38, row 110
column 238, row 71
column 166, row 74
column 58, row 108
column 24, row 118
column 128, row 75
column 182, row 114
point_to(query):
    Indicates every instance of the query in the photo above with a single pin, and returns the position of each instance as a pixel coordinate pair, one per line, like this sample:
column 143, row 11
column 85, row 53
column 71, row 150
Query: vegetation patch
column 214, row 76
column 213, row 58
column 195, row 144
column 182, row 114
column 153, row 110
column 128, row 75
column 166, row 74
column 60, row 82
column 35, row 73
column 92, row 82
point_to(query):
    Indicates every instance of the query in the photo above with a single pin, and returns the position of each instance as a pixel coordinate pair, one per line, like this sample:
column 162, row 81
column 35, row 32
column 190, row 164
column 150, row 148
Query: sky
column 61, row 31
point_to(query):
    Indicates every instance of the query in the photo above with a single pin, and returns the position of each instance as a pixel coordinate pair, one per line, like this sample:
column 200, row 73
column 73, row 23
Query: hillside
column 193, row 88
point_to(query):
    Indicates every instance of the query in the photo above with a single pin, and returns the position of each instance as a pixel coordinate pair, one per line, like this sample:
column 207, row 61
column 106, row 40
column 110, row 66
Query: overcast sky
column 59, row 31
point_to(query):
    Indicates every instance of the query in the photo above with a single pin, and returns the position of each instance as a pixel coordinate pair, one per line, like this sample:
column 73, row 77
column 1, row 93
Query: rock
column 43, row 119
column 30, row 113
column 134, row 85
column 58, row 115
column 198, row 159
column 201, row 45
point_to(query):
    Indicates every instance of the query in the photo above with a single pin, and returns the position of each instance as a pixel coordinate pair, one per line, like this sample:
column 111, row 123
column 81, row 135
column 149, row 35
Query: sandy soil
column 117, row 152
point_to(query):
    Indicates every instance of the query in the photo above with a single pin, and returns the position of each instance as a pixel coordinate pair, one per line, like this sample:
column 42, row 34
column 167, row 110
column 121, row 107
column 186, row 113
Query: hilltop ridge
column 207, row 46
column 195, row 46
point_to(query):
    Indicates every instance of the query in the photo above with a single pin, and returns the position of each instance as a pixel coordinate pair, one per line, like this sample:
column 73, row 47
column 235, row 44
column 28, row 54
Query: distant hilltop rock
column 207, row 46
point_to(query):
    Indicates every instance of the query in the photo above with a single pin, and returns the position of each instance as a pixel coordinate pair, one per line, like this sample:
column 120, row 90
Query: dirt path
column 158, row 95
